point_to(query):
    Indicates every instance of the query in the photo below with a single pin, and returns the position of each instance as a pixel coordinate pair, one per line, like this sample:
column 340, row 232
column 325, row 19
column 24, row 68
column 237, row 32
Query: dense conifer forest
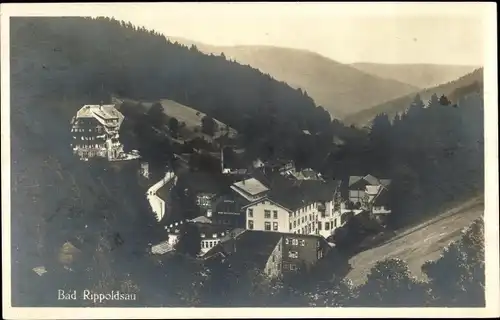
column 434, row 154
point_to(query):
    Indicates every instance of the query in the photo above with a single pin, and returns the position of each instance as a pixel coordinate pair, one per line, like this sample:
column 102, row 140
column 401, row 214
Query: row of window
column 291, row 267
column 89, row 154
column 89, row 146
column 309, row 207
column 295, row 242
column 267, row 214
column 86, row 138
column 98, row 129
column 328, row 225
column 208, row 244
column 267, row 225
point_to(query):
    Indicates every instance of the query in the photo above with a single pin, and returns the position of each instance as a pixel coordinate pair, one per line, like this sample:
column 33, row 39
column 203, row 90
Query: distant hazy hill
column 453, row 90
column 339, row 88
column 419, row 75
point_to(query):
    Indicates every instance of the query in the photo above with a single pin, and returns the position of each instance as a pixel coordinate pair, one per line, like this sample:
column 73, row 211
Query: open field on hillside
column 189, row 116
column 420, row 243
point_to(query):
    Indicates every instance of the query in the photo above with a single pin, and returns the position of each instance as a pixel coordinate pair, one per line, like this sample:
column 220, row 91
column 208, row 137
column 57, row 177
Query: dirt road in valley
column 420, row 243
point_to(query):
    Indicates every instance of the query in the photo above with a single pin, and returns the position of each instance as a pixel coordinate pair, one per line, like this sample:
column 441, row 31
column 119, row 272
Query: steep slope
column 339, row 88
column 453, row 90
column 104, row 56
column 419, row 75
column 420, row 243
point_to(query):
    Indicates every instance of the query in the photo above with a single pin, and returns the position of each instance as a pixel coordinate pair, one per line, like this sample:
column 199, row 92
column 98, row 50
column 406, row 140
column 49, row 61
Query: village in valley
column 268, row 213
column 185, row 173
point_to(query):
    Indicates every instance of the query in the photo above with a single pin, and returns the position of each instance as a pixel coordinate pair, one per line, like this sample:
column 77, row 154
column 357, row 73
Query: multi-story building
column 299, row 207
column 226, row 210
column 277, row 254
column 95, row 132
column 211, row 234
column 357, row 188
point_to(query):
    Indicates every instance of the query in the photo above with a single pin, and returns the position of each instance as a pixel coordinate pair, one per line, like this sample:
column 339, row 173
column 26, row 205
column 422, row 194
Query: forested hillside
column 60, row 64
column 333, row 85
column 84, row 56
column 433, row 155
column 469, row 83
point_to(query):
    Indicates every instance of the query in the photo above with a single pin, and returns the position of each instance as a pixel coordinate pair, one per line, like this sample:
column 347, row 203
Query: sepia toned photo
column 310, row 159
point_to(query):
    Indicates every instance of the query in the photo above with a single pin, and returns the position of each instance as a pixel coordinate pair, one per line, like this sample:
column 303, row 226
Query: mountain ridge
column 422, row 75
column 454, row 90
column 333, row 85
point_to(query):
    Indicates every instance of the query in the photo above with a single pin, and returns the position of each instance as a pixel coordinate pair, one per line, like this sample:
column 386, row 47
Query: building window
column 327, row 225
column 293, row 267
column 287, row 241
column 335, row 223
column 302, row 219
column 293, row 254
column 290, row 226
column 267, row 214
column 250, row 213
column 267, row 226
column 310, row 217
column 319, row 225
column 275, row 214
column 275, row 226
column 250, row 224
column 302, row 242
column 320, row 254
column 295, row 242
column 295, row 224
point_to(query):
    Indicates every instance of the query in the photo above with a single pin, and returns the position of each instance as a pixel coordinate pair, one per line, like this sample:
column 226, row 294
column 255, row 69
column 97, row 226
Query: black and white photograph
column 307, row 158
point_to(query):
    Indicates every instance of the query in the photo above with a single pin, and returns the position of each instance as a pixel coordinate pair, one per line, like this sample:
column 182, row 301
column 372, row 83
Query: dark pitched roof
column 251, row 248
column 371, row 179
column 205, row 182
column 229, row 202
column 385, row 182
column 207, row 229
column 354, row 179
column 382, row 198
column 298, row 193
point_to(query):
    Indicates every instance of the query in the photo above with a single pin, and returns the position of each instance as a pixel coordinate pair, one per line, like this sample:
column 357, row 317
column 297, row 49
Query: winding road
column 420, row 243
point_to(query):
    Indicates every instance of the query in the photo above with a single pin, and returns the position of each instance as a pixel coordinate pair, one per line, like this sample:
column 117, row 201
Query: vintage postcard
column 249, row 160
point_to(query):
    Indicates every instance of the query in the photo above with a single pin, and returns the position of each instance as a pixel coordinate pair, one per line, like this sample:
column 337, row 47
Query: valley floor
column 419, row 243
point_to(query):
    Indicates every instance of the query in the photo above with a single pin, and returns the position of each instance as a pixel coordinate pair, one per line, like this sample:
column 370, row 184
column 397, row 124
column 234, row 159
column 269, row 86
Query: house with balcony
column 95, row 132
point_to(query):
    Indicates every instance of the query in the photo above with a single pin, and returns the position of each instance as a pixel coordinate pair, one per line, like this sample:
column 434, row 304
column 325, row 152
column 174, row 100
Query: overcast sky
column 388, row 33
column 439, row 32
